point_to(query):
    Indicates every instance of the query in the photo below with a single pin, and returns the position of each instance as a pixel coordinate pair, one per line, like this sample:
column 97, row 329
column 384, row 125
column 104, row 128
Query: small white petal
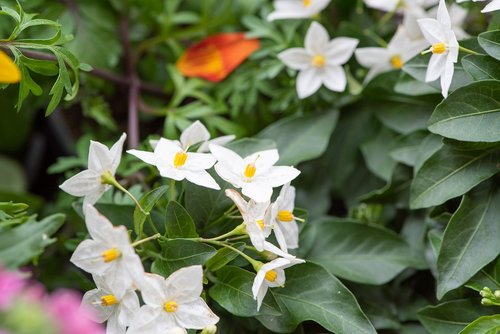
column 147, row 157
column 228, row 174
column 435, row 67
column 171, row 172
column 263, row 159
column 447, row 77
column 227, row 157
column 334, row 78
column 114, row 326
column 99, row 157
column 308, row 82
column 151, row 320
column 296, row 58
column 194, row 134
column 279, row 175
column 100, row 313
column 221, row 141
column 340, row 50
column 116, row 153
column 259, row 192
column 371, row 56
column 199, row 161
column 201, row 178
column 432, row 30
column 86, row 256
column 83, row 183
column 195, row 314
column 185, row 284
column 153, row 289
column 316, row 40
column 442, row 15
column 492, row 6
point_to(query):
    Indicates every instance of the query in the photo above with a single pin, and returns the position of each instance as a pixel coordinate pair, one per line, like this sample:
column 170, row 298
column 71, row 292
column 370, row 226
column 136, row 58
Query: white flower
column 285, row 226
column 271, row 275
column 173, row 302
column 197, row 133
column 394, row 5
column 439, row 34
column 458, row 16
column 109, row 253
column 176, row 163
column 492, row 6
column 399, row 50
column 320, row 61
column 101, row 161
column 110, row 306
column 255, row 174
column 296, row 9
column 256, row 218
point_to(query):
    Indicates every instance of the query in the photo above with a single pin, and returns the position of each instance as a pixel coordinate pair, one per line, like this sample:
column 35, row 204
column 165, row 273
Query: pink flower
column 11, row 284
column 64, row 306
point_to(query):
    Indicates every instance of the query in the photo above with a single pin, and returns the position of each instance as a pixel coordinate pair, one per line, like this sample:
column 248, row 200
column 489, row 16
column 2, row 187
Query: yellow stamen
column 285, row 216
column 250, row 170
column 438, row 48
column 180, row 159
column 319, row 61
column 271, row 275
column 260, row 222
column 306, row 3
column 171, row 306
column 108, row 300
column 111, row 254
column 396, row 61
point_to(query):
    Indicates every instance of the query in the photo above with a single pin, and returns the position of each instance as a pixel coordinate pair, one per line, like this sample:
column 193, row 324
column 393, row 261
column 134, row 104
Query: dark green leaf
column 147, row 203
column 484, row 325
column 178, row 222
column 481, row 67
column 223, row 257
column 490, row 42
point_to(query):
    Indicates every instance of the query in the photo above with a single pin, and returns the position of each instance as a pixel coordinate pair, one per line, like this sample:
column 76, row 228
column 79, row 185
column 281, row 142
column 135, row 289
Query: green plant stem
column 255, row 264
column 461, row 48
column 376, row 38
column 150, row 220
column 238, row 230
column 108, row 178
column 172, row 190
column 153, row 237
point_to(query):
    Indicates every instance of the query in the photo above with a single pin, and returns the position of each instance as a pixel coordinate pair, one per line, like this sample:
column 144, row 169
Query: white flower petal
column 171, row 172
column 273, row 249
column 87, row 257
column 194, row 134
column 432, row 30
column 227, row 157
column 259, row 192
column 261, row 294
column 263, row 159
column 99, row 159
column 446, row 77
column 151, row 320
column 290, row 232
column 116, row 153
column 492, row 6
column 340, row 50
column 165, row 152
column 153, row 289
column 442, row 15
column 99, row 227
column 280, row 237
column 334, row 78
column 435, row 67
column 147, row 157
column 185, row 285
column 129, row 306
column 371, row 56
column 221, row 141
column 256, row 235
column 287, row 198
column 99, row 313
column 286, row 9
column 278, row 176
column 296, row 58
column 316, row 40
column 308, row 82
column 195, row 314
column 114, row 326
column 201, row 178
column 199, row 161
column 228, row 174
column 385, row 5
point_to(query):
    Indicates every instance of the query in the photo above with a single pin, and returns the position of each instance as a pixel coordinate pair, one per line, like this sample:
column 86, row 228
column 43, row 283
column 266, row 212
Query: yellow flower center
column 318, row 61
column 285, row 216
column 438, row 48
column 171, row 306
column 250, row 170
column 260, row 222
column 108, row 300
column 111, row 254
column 271, row 275
column 307, row 3
column 396, row 61
column 180, row 159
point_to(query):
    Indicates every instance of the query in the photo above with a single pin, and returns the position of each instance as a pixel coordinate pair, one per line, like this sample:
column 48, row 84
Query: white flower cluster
column 174, row 304
column 319, row 62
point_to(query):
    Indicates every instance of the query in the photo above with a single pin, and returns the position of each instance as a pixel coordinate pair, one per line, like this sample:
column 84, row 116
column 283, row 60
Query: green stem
column 153, row 237
column 150, row 220
column 172, row 190
column 108, row 178
column 255, row 264
column 376, row 38
column 239, row 230
column 461, row 48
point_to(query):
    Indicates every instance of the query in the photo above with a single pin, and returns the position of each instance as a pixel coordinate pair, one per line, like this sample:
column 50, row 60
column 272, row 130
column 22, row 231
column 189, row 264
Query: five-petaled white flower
column 285, row 225
column 296, row 9
column 176, row 163
column 256, row 217
column 271, row 275
column 110, row 306
column 101, row 162
column 491, row 7
column 255, row 174
column 172, row 302
column 319, row 62
column 109, row 253
column 399, row 50
column 197, row 133
column 444, row 47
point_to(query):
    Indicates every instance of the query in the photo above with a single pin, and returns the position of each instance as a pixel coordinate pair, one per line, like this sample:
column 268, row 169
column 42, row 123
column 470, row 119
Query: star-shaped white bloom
column 492, row 6
column 285, row 225
column 176, row 163
column 108, row 305
column 271, row 275
column 173, row 302
column 255, row 174
column 458, row 15
column 296, row 9
column 101, row 160
column 256, row 217
column 439, row 34
column 197, row 133
column 319, row 62
column 399, row 50
column 109, row 253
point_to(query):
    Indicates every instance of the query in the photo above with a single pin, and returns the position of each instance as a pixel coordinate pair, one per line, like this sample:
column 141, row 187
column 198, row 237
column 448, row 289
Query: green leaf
column 312, row 293
column 449, row 173
column 490, row 42
column 406, row 149
column 247, row 146
column 481, row 67
column 377, row 155
column 224, row 256
column 471, row 113
column 452, row 316
column 301, row 138
column 19, row 245
column 178, row 222
column 233, row 291
column 180, row 253
column 467, row 243
column 359, row 252
column 404, row 117
column 483, row 325
column 147, row 202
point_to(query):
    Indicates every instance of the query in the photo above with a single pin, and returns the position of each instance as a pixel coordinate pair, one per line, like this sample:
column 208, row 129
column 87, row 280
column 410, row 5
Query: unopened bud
column 497, row 294
column 486, row 292
column 212, row 329
column 268, row 255
column 486, row 302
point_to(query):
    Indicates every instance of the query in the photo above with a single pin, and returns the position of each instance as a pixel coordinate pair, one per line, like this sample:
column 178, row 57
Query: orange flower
column 9, row 72
column 215, row 57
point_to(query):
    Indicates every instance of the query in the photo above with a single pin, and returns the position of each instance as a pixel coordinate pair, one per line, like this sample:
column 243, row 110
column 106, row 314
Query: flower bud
column 486, row 302
column 212, row 329
column 497, row 294
column 268, row 255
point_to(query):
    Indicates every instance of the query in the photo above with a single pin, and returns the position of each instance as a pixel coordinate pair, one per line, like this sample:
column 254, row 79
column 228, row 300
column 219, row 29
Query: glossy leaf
column 490, row 42
column 178, row 222
column 481, row 67
column 147, row 203
column 484, row 325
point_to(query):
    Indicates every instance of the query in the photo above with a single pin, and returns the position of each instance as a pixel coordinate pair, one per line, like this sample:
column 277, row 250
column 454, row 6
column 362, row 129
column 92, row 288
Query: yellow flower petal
column 9, row 72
